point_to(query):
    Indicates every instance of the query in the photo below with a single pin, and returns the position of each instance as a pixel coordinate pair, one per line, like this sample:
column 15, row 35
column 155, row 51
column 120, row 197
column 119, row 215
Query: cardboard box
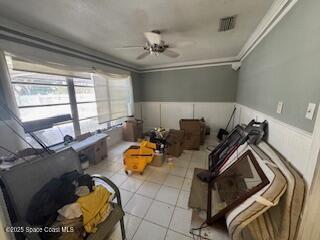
column 192, row 129
column 192, row 141
column 190, row 125
column 132, row 130
column 158, row 159
column 175, row 141
column 96, row 152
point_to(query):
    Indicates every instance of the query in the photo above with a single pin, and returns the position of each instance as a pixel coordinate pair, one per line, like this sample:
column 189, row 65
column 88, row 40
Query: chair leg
column 123, row 231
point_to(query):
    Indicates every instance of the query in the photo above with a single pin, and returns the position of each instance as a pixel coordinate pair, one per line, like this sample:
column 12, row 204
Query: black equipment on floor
column 224, row 132
column 253, row 133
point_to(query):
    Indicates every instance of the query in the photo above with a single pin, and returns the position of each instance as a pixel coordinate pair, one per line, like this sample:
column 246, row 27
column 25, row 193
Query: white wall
column 168, row 114
column 293, row 143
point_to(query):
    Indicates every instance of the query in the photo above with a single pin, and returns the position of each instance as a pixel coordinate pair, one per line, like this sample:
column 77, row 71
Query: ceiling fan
column 154, row 46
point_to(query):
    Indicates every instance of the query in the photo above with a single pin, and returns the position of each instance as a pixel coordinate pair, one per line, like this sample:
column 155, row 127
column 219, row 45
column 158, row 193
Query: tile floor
column 156, row 203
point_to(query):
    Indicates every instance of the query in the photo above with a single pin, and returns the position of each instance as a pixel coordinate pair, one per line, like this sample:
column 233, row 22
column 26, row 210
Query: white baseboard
column 168, row 114
column 293, row 143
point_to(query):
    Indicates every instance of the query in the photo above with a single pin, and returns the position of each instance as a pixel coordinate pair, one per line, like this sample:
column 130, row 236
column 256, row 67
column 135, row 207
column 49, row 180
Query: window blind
column 114, row 97
column 44, row 90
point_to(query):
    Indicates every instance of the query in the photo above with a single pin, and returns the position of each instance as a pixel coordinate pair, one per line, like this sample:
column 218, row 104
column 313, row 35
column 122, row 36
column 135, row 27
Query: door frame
column 308, row 227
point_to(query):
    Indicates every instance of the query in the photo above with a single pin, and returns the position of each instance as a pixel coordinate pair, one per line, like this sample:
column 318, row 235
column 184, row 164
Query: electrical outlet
column 279, row 108
column 310, row 111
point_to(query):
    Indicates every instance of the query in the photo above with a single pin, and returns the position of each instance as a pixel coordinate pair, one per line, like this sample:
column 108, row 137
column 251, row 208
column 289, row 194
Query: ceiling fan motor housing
column 158, row 48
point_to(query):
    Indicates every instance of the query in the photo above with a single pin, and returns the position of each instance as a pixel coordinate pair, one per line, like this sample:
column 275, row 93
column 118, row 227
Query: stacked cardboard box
column 132, row 130
column 92, row 146
column 192, row 133
column 175, row 141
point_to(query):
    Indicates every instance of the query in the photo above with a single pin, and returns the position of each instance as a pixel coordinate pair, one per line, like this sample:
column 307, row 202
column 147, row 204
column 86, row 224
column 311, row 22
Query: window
column 114, row 98
column 40, row 96
column 37, row 98
column 102, row 101
column 86, row 104
column 119, row 97
column 99, row 101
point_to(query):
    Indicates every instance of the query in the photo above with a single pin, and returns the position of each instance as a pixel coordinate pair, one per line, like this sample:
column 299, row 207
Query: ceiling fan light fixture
column 154, row 53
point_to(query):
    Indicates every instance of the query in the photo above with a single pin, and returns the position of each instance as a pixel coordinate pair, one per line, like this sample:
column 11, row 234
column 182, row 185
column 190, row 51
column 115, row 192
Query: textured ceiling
column 104, row 25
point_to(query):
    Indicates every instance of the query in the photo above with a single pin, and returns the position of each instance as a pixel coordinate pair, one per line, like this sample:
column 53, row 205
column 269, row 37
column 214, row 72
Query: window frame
column 71, row 85
column 14, row 82
column 84, row 102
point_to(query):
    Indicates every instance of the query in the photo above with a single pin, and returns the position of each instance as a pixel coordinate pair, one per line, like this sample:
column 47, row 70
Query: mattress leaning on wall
column 278, row 221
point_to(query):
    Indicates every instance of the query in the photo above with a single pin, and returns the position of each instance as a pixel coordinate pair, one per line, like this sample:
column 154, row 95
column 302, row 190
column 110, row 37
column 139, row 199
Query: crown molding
column 190, row 64
column 277, row 11
column 25, row 35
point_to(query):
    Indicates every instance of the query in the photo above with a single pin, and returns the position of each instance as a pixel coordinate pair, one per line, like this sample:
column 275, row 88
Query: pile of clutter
column 157, row 143
column 158, row 136
column 71, row 201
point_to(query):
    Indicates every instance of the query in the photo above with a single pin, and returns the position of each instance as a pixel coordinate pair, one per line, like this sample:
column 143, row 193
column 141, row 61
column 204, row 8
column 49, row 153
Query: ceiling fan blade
column 170, row 53
column 143, row 55
column 153, row 38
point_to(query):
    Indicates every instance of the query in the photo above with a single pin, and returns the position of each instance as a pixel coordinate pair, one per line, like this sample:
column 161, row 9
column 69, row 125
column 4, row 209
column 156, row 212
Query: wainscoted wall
column 168, row 114
column 293, row 143
column 204, row 84
column 285, row 67
column 276, row 70
column 164, row 97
